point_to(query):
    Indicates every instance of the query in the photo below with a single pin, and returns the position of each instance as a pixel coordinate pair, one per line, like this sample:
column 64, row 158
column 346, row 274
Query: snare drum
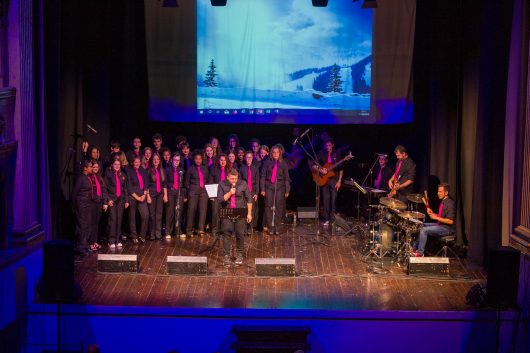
column 385, row 235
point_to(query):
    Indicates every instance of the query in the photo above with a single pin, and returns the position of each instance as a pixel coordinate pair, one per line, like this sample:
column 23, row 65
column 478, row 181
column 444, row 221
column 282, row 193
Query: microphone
column 91, row 128
column 299, row 137
column 181, row 172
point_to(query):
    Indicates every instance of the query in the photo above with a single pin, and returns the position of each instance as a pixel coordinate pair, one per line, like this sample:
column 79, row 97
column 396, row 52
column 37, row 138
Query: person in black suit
column 100, row 204
column 275, row 181
column 137, row 182
column 82, row 197
column 329, row 191
column 156, row 196
column 136, row 150
column 382, row 173
column 196, row 178
column 177, row 195
column 118, row 197
column 403, row 178
column 249, row 173
column 234, row 193
column 218, row 173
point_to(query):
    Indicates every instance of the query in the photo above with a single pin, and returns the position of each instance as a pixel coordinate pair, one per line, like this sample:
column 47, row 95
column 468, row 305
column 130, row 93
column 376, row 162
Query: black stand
column 177, row 208
column 313, row 157
column 217, row 237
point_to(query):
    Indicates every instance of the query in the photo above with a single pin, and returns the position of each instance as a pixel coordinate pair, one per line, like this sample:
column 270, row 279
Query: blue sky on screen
column 258, row 43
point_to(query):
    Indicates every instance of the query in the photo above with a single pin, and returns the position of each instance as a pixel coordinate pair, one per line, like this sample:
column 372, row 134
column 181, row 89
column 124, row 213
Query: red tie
column 98, row 186
column 329, row 157
column 140, row 180
column 210, row 162
column 118, row 185
column 175, row 179
column 274, row 172
column 201, row 177
column 158, row 186
column 398, row 169
column 223, row 175
column 249, row 179
column 440, row 209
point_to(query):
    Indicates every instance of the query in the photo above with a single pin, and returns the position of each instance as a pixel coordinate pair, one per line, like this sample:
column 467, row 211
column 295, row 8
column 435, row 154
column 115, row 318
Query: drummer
column 383, row 172
column 444, row 220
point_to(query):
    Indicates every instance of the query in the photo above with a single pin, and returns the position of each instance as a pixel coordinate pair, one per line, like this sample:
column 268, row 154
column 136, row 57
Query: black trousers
column 156, row 209
column 143, row 210
column 230, row 229
column 97, row 211
column 212, row 217
column 84, row 219
column 260, row 209
column 329, row 198
column 115, row 220
column 200, row 202
column 280, row 205
column 171, row 212
column 254, row 222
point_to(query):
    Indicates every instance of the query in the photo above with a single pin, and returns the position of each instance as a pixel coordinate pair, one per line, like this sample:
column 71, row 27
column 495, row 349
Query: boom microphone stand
column 313, row 157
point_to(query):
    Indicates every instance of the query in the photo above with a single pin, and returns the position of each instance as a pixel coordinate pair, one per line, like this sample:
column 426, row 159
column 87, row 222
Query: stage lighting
column 170, row 3
column 218, row 2
column 320, row 3
column 369, row 4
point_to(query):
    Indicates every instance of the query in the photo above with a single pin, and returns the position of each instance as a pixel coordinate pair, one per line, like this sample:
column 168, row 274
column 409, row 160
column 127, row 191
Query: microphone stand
column 370, row 173
column 314, row 159
column 177, row 207
column 273, row 223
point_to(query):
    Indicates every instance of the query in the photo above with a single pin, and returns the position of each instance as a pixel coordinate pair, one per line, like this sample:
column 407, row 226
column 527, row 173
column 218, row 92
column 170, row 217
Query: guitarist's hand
column 324, row 170
column 337, row 186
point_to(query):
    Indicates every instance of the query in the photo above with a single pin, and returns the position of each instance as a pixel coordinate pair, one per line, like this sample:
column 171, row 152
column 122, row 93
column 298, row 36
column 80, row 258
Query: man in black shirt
column 445, row 219
column 234, row 193
column 404, row 175
column 382, row 173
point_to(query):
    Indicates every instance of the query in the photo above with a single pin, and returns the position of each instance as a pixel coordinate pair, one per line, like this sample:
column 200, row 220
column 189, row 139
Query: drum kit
column 392, row 226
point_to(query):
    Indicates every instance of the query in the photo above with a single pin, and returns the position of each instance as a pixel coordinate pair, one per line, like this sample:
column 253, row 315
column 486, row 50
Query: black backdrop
column 96, row 74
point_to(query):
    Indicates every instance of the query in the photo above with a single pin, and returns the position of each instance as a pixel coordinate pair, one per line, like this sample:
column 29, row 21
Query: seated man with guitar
column 401, row 182
column 445, row 219
column 328, row 175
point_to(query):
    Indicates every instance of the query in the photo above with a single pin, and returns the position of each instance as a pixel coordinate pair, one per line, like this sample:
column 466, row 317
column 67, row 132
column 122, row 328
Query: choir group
column 162, row 192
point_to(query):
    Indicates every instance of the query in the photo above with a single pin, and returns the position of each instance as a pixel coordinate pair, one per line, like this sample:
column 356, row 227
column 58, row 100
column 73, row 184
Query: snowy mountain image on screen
column 343, row 87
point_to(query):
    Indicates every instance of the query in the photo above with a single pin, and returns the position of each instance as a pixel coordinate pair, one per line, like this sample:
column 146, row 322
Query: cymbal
column 412, row 215
column 392, row 203
column 416, row 198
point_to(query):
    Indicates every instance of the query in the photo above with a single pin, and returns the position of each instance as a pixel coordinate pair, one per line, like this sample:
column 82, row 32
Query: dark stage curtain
column 464, row 95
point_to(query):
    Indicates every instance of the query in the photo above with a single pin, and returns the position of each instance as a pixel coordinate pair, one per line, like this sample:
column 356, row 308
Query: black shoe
column 142, row 240
column 152, row 237
column 135, row 240
column 158, row 237
column 239, row 259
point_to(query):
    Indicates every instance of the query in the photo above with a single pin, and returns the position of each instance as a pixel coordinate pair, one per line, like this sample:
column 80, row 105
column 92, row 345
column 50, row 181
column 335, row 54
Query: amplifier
column 275, row 267
column 187, row 265
column 306, row 212
column 429, row 266
column 117, row 263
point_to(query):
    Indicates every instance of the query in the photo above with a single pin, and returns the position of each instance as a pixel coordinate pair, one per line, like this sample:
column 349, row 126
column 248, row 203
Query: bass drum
column 386, row 236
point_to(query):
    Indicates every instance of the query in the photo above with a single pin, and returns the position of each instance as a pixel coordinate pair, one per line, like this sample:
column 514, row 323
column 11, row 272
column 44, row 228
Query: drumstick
column 426, row 199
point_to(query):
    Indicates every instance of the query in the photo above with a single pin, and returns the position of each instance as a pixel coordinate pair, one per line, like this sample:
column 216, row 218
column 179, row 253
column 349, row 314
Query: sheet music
column 211, row 189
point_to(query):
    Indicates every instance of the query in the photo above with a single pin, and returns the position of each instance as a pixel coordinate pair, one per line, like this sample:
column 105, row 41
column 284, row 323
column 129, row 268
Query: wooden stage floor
column 335, row 277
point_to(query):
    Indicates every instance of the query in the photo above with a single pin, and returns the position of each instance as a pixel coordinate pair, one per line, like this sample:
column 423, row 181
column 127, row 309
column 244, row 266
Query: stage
column 334, row 277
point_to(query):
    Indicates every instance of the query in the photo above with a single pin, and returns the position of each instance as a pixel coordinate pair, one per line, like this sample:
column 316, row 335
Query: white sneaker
column 326, row 223
column 112, row 246
column 119, row 245
column 168, row 237
column 183, row 236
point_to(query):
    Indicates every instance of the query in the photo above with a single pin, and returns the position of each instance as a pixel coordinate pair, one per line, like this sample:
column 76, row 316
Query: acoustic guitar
column 322, row 179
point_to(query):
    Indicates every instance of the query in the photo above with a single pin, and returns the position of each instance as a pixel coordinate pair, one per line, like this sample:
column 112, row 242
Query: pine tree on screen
column 335, row 82
column 209, row 80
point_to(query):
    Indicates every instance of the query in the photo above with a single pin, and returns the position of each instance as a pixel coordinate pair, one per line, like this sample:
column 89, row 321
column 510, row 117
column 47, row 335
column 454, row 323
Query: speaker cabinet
column 58, row 272
column 503, row 277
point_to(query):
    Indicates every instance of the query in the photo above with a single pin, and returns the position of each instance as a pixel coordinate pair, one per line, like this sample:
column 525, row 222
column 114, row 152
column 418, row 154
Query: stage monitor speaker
column 429, row 266
column 58, row 285
column 187, row 265
column 275, row 267
column 117, row 263
column 503, row 277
